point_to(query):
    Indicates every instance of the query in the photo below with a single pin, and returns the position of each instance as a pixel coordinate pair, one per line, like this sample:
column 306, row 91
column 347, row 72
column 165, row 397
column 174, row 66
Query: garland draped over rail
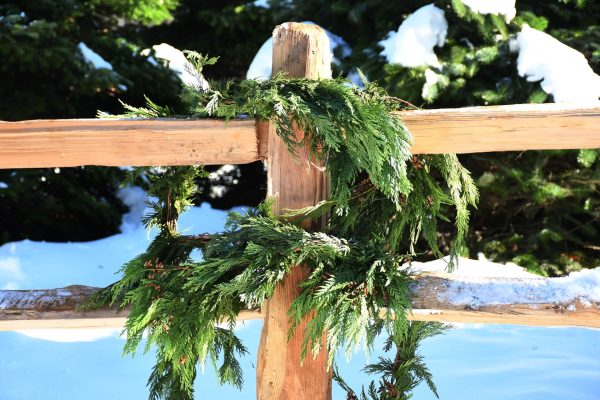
column 383, row 201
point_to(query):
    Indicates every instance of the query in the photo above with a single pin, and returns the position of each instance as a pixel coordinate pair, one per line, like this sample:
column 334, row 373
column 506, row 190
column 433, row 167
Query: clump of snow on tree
column 133, row 197
column 261, row 68
column 228, row 174
column 563, row 71
column 3, row 185
column 261, row 3
column 412, row 45
column 179, row 64
column 94, row 58
column 506, row 8
column 430, row 88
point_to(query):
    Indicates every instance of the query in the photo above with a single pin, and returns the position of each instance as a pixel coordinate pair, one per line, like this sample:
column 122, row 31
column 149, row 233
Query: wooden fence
column 300, row 50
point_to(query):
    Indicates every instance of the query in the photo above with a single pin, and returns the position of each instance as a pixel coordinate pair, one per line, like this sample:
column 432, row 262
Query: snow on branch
column 563, row 71
column 260, row 67
column 412, row 46
column 94, row 58
column 506, row 8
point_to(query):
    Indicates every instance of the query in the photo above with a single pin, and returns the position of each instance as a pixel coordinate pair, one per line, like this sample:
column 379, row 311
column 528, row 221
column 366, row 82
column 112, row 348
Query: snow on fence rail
column 111, row 142
column 574, row 300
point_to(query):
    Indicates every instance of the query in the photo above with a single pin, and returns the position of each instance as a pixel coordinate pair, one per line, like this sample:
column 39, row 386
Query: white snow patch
column 71, row 335
column 217, row 191
column 506, row 8
column 412, row 46
column 431, row 79
column 261, row 3
column 91, row 56
column 178, row 63
column 3, row 185
column 474, row 268
column 475, row 291
column 563, row 71
column 224, row 173
column 261, row 65
column 134, row 198
column 43, row 265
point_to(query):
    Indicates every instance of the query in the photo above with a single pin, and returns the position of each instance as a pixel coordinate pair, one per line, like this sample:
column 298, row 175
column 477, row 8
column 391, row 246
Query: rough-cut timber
column 60, row 308
column 67, row 143
column 113, row 142
column 504, row 128
column 434, row 298
column 301, row 51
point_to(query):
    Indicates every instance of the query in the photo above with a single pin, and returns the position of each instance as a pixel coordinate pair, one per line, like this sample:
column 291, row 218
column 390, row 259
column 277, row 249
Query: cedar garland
column 384, row 200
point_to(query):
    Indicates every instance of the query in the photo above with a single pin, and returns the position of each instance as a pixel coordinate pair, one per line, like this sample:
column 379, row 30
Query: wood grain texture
column 60, row 308
column 431, row 297
column 67, row 143
column 504, row 128
column 111, row 142
column 301, row 51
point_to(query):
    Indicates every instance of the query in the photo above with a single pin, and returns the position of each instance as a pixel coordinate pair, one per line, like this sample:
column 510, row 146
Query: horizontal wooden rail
column 59, row 308
column 434, row 298
column 67, row 143
column 504, row 128
column 113, row 142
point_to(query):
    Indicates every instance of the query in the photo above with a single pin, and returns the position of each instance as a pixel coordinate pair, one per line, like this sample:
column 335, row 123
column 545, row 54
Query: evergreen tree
column 45, row 75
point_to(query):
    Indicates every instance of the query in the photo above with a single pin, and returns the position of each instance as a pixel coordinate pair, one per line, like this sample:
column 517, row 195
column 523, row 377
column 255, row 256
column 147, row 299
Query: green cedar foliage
column 402, row 374
column 357, row 287
column 550, row 233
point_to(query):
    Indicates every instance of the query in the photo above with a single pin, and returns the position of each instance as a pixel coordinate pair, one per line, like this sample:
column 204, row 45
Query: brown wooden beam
column 299, row 50
column 67, row 143
column 113, row 142
column 60, row 308
column 432, row 299
column 504, row 128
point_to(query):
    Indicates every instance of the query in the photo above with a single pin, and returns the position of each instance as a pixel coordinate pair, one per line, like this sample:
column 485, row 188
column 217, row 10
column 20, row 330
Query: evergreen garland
column 357, row 287
column 402, row 374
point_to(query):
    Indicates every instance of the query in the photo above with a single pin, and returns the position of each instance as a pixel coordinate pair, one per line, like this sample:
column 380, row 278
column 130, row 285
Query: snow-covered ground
column 469, row 362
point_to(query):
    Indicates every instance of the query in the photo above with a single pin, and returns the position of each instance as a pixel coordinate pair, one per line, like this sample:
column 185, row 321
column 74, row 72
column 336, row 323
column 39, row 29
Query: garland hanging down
column 383, row 201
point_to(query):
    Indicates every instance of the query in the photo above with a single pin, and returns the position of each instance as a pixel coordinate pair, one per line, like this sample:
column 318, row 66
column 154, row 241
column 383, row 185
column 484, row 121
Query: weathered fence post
column 300, row 50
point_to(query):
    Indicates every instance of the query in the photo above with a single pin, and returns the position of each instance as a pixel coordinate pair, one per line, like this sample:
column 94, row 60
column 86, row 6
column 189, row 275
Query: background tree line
column 539, row 209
